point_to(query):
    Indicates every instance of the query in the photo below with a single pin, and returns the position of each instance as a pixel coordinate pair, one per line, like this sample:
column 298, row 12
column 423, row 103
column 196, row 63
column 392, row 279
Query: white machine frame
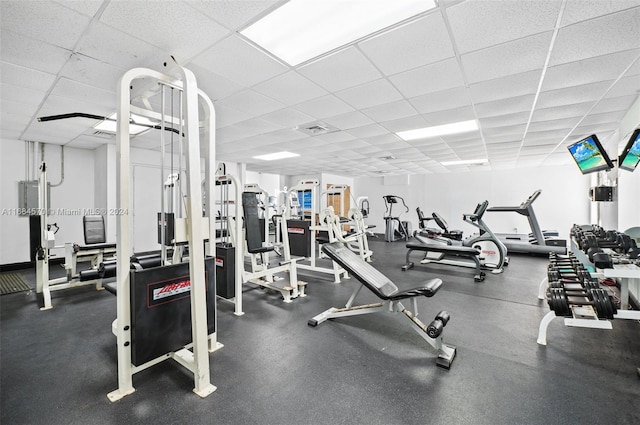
column 194, row 356
column 44, row 285
column 312, row 186
column 263, row 275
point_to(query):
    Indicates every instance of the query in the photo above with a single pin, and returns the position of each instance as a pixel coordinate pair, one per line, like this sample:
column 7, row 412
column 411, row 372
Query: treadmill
column 538, row 241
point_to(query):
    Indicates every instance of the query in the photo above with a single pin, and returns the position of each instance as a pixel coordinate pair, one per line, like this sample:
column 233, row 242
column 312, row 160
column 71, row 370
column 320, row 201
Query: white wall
column 68, row 200
column 563, row 202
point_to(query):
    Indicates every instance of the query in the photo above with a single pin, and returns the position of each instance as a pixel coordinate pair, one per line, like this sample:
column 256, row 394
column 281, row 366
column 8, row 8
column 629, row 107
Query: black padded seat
column 463, row 251
column 373, row 279
column 102, row 246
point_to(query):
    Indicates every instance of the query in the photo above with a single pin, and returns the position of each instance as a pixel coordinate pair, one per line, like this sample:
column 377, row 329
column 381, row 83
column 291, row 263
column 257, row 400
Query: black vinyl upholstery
column 462, row 251
column 373, row 279
column 94, row 230
column 253, row 234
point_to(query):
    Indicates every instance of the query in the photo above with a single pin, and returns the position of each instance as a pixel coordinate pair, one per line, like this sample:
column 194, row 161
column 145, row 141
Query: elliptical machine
column 493, row 253
column 394, row 228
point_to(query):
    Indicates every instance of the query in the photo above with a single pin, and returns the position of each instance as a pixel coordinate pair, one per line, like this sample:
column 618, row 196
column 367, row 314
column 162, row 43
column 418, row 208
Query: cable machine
column 303, row 232
column 144, row 336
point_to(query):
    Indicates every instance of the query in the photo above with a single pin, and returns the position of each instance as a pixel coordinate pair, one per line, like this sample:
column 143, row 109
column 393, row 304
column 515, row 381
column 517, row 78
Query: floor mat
column 11, row 283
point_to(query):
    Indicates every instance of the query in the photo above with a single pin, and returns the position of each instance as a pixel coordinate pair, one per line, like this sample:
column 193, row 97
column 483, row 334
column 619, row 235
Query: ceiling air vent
column 316, row 128
column 103, row 134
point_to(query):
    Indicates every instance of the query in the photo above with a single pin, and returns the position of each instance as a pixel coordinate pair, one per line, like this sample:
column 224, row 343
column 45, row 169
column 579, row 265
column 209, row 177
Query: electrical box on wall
column 602, row 193
column 28, row 197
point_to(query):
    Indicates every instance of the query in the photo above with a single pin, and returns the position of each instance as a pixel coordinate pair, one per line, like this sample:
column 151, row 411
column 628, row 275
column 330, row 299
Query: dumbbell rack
column 586, row 316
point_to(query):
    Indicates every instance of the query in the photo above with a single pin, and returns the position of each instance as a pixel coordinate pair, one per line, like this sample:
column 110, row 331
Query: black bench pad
column 78, row 248
column 373, row 279
column 464, row 251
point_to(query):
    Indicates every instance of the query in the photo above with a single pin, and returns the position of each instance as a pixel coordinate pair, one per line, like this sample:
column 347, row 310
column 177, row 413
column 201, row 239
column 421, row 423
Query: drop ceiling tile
column 537, row 135
column 480, row 24
column 341, row 70
column 233, row 14
column 92, row 72
column 562, row 111
column 390, row 111
column 85, row 93
column 516, row 130
column 564, row 125
column 175, row 35
column 505, row 106
column 348, row 120
column 32, row 53
column 25, row 77
column 228, row 116
column 240, row 62
column 22, row 95
column 42, row 21
column 19, row 112
column 324, row 107
column 441, row 100
column 498, row 61
column 503, row 139
column 625, row 86
column 121, row 51
column 611, row 118
column 428, row 79
column 590, row 70
column 581, row 10
column 504, row 120
column 83, row 143
column 402, row 124
column 288, row 117
column 370, row 94
column 572, row 95
column 596, row 37
column 336, row 137
column 213, row 85
column 251, row 102
column 290, row 88
column 510, row 86
column 610, row 104
column 415, row 44
column 512, row 147
column 368, row 130
column 464, row 113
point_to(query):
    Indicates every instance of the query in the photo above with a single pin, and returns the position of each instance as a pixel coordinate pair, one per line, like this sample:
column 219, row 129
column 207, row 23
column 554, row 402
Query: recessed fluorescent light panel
column 439, row 130
column 109, row 125
column 465, row 162
column 276, row 155
column 300, row 30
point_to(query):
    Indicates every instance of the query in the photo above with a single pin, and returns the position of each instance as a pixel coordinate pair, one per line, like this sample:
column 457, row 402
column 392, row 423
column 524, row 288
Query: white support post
column 201, row 376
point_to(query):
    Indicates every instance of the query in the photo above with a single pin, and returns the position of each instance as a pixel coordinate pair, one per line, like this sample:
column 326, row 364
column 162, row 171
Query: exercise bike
column 395, row 229
column 493, row 253
column 432, row 233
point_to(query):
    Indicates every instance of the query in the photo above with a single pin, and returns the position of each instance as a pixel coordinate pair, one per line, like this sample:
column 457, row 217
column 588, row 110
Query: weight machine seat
column 461, row 251
column 103, row 246
column 373, row 279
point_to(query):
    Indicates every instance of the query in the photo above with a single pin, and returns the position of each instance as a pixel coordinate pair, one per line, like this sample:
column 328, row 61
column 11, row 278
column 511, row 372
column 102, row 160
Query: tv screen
column 631, row 153
column 589, row 155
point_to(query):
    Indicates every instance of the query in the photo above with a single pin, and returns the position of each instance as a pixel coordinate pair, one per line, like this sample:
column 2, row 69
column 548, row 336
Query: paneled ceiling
column 535, row 74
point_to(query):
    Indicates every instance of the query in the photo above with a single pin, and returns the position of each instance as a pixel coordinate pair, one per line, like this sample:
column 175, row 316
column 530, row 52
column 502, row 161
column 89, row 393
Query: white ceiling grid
column 474, row 59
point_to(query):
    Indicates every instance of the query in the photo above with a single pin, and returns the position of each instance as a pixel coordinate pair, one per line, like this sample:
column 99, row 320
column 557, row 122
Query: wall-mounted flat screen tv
column 631, row 154
column 590, row 155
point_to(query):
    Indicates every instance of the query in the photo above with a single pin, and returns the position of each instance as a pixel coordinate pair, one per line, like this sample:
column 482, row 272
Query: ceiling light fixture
column 465, row 162
column 276, row 155
column 109, row 125
column 300, row 30
column 439, row 130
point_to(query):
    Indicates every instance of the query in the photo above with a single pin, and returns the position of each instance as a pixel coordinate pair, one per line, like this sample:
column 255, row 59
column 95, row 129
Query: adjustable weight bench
column 391, row 298
column 439, row 253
